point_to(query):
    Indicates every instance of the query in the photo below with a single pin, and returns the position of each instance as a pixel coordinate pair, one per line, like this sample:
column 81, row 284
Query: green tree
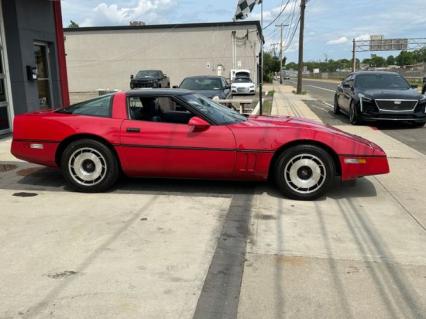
column 390, row 60
column 73, row 24
column 270, row 66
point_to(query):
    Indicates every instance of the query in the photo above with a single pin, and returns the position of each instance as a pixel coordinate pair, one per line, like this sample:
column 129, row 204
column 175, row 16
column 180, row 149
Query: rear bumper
column 373, row 165
column 39, row 152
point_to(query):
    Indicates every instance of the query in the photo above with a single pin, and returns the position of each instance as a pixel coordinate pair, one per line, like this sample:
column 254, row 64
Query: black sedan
column 377, row 96
column 209, row 86
column 149, row 79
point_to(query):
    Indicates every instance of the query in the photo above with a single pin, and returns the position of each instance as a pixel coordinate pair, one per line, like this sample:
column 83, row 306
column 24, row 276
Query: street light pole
column 281, row 26
column 353, row 55
column 301, row 31
column 261, row 62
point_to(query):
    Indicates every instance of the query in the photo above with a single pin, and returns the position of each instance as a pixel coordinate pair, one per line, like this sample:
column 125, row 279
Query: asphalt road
column 323, row 91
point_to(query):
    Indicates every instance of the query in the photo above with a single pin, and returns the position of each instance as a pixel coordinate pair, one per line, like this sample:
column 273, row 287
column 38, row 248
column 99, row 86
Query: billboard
column 379, row 43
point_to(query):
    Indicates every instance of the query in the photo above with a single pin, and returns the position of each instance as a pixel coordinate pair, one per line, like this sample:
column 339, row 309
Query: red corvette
column 178, row 134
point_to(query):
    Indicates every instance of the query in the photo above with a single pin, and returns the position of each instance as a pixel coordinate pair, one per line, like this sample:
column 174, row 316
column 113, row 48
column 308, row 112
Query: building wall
column 25, row 22
column 106, row 58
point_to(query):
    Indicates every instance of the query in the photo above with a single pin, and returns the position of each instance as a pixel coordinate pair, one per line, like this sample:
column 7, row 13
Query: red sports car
column 178, row 134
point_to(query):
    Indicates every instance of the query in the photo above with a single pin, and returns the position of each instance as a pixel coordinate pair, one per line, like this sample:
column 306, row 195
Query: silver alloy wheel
column 305, row 173
column 87, row 166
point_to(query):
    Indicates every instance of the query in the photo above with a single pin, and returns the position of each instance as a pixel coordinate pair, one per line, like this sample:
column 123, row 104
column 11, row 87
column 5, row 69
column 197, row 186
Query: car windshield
column 148, row 73
column 243, row 80
column 219, row 114
column 202, row 84
column 381, row 82
column 242, row 75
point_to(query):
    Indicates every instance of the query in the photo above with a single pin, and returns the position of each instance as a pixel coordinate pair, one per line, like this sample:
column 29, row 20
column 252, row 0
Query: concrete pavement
column 359, row 253
column 194, row 249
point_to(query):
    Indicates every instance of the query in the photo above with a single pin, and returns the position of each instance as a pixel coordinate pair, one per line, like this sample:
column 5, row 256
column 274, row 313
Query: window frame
column 173, row 98
column 110, row 106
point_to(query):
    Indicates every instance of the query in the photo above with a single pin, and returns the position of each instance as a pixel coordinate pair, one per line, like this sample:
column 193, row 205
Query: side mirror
column 132, row 77
column 414, row 86
column 346, row 85
column 175, row 86
column 198, row 124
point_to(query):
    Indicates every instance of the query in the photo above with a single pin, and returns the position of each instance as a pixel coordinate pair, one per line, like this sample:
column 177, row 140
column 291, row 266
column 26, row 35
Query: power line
column 281, row 12
column 291, row 38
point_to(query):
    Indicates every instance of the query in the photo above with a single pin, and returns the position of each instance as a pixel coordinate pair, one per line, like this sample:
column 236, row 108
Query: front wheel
column 304, row 172
column 353, row 114
column 419, row 124
column 336, row 108
column 89, row 166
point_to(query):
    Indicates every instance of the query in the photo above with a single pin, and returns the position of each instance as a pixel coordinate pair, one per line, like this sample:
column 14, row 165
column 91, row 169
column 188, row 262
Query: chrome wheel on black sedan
column 304, row 172
column 89, row 166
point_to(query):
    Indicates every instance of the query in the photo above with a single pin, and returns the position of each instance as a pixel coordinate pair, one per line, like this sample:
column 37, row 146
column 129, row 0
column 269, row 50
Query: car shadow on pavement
column 29, row 177
column 352, row 189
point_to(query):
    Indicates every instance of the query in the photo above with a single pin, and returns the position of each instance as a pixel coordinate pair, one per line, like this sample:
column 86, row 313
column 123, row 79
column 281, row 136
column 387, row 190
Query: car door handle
column 133, row 130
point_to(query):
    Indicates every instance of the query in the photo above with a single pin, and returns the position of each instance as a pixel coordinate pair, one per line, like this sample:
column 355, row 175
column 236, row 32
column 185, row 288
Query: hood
column 410, row 94
column 210, row 93
column 287, row 121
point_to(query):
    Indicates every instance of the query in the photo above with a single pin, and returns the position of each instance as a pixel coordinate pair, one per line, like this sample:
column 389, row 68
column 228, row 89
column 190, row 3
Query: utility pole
column 281, row 26
column 261, row 63
column 353, row 55
column 301, row 30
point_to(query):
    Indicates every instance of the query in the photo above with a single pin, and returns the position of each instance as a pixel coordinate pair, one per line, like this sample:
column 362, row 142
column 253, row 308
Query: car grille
column 242, row 89
column 144, row 84
column 396, row 105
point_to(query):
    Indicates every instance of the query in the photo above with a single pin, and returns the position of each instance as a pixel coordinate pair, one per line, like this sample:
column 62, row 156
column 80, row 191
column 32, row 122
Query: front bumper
column 243, row 91
column 370, row 112
column 358, row 166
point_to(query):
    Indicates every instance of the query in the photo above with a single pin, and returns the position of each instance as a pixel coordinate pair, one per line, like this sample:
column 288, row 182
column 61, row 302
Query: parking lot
column 199, row 249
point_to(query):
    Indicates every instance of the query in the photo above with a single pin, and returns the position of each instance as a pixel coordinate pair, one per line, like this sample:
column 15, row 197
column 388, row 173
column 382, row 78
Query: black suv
column 149, row 79
column 373, row 96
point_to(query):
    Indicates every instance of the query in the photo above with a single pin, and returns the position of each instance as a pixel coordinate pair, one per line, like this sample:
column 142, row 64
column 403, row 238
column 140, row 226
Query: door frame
column 49, row 71
column 7, row 85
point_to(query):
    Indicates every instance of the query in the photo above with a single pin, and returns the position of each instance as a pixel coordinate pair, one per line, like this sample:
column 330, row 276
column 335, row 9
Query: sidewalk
column 359, row 253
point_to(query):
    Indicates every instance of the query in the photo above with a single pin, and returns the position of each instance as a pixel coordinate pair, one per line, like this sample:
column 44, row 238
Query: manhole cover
column 25, row 194
column 7, row 167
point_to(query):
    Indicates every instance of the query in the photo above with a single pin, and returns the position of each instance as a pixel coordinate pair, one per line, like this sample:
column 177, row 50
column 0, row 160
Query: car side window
column 100, row 106
column 158, row 109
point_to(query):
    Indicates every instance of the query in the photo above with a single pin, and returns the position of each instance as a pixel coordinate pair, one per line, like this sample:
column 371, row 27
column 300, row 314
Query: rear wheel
column 304, row 172
column 89, row 166
column 336, row 109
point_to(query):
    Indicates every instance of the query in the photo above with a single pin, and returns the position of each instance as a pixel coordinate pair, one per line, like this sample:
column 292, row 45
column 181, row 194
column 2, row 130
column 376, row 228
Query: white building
column 105, row 57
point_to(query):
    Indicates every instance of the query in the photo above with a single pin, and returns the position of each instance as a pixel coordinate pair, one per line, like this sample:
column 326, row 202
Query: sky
column 330, row 25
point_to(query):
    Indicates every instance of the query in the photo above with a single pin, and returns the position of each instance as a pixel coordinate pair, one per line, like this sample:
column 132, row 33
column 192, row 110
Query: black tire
column 418, row 124
column 91, row 175
column 336, row 109
column 353, row 114
column 293, row 178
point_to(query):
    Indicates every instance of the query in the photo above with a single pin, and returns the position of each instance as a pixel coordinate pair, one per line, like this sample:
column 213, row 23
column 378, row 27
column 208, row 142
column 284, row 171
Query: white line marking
column 328, row 104
column 318, row 87
column 314, row 86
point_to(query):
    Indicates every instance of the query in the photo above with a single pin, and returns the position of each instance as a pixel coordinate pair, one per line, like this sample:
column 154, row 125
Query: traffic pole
column 301, row 30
